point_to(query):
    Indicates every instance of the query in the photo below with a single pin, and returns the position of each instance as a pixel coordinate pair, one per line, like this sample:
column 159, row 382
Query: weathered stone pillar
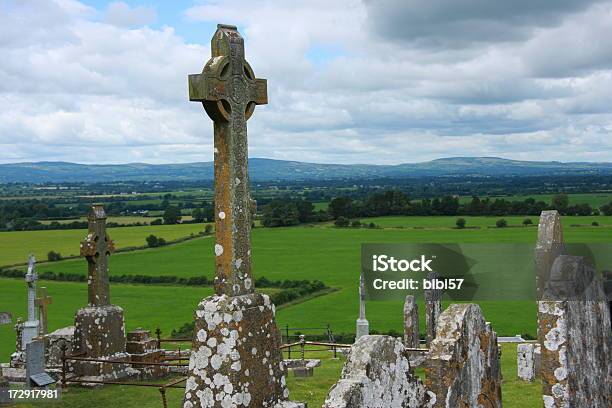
column 433, row 308
column 411, row 323
column 463, row 365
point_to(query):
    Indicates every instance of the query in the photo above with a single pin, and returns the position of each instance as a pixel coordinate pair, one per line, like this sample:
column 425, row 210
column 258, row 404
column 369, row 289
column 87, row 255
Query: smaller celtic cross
column 97, row 247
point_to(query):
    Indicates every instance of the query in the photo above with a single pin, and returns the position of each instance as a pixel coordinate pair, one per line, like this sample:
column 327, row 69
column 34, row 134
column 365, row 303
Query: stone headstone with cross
column 362, row 326
column 99, row 327
column 31, row 327
column 42, row 302
column 236, row 360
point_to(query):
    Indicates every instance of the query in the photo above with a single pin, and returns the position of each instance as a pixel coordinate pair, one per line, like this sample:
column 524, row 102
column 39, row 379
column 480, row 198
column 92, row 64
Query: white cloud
column 347, row 82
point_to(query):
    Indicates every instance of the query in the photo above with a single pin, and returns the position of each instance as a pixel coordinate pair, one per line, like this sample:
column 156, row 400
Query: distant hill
column 268, row 169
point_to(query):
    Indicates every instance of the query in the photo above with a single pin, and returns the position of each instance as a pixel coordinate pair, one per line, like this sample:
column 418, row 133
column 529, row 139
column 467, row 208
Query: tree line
column 287, row 212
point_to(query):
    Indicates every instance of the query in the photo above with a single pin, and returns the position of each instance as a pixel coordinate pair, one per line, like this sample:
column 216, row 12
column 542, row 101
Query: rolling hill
column 269, row 169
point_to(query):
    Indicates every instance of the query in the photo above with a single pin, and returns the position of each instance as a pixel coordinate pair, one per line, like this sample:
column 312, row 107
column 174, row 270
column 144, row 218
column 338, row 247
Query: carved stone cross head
column 227, row 86
column 96, row 247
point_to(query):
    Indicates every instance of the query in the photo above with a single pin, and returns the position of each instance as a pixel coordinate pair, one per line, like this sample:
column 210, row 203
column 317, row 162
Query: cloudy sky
column 373, row 81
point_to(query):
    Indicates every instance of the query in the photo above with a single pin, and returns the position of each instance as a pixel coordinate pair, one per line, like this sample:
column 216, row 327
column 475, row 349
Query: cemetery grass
column 515, row 393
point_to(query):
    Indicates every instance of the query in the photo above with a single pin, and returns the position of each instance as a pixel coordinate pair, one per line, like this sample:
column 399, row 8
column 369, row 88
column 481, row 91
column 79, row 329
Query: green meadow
column 16, row 245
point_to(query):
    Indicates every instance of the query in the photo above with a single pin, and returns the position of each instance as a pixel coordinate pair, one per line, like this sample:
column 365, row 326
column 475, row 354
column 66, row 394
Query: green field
column 595, row 200
column 478, row 221
column 15, row 246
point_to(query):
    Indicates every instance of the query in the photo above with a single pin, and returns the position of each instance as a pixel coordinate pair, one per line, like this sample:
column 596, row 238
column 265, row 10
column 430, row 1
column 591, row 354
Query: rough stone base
column 377, row 375
column 100, row 333
column 363, row 328
column 236, row 360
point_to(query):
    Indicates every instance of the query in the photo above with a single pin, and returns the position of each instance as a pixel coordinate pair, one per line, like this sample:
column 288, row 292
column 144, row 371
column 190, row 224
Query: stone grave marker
column 36, row 376
column 362, row 326
column 573, row 325
column 236, row 359
column 463, row 364
column 377, row 375
column 43, row 302
column 411, row 323
column 31, row 326
column 99, row 327
column 528, row 361
column 433, row 308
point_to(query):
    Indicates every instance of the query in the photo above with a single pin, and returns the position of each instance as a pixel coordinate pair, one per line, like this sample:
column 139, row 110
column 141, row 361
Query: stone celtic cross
column 229, row 92
column 96, row 247
column 43, row 302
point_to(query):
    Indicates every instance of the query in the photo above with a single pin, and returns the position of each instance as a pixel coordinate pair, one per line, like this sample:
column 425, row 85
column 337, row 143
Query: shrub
column 208, row 229
column 157, row 221
column 342, row 222
column 371, row 225
column 501, row 223
column 152, row 241
column 527, row 221
column 595, row 224
column 161, row 242
column 460, row 223
column 356, row 224
column 53, row 256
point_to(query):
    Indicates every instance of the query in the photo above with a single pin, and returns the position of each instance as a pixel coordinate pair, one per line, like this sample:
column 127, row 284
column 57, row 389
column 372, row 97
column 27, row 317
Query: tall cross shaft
column 97, row 247
column 31, row 278
column 229, row 92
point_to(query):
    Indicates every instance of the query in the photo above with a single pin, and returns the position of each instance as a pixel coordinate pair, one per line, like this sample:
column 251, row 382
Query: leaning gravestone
column 99, row 327
column 463, row 364
column 377, row 375
column 236, row 359
column 36, row 376
column 411, row 323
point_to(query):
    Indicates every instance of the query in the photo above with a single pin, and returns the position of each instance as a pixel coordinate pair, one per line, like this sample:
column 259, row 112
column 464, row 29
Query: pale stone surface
column 463, row 366
column 377, row 375
column 528, row 361
column 576, row 340
column 411, row 323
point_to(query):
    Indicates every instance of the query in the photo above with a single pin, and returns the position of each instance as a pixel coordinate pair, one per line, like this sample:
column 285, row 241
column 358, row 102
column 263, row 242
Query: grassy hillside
column 15, row 246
